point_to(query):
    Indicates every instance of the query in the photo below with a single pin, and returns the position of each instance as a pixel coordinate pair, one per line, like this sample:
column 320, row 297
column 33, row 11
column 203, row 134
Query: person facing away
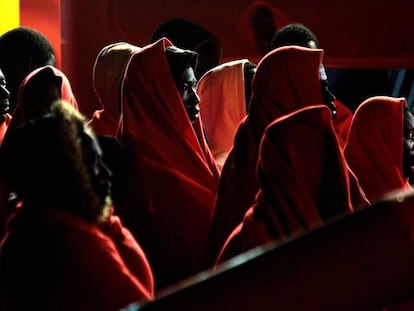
column 38, row 91
column 172, row 176
column 108, row 78
column 23, row 49
column 299, row 34
column 302, row 185
column 380, row 144
column 188, row 35
column 64, row 248
column 286, row 79
column 224, row 96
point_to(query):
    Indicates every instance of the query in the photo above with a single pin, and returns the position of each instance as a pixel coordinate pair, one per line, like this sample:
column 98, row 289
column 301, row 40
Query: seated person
column 224, row 99
column 171, row 172
column 38, row 91
column 64, row 232
column 22, row 50
column 380, row 144
column 108, row 82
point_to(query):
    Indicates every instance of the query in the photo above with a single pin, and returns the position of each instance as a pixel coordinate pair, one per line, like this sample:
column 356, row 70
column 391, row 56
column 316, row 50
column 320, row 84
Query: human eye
column 411, row 134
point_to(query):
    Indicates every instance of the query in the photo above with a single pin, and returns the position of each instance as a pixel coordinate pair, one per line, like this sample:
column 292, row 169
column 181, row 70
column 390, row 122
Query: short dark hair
column 188, row 35
column 24, row 43
column 179, row 60
column 293, row 34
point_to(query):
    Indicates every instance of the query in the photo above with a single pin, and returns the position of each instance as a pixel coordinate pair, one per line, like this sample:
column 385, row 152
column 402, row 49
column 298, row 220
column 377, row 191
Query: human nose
column 195, row 97
column 104, row 170
column 5, row 94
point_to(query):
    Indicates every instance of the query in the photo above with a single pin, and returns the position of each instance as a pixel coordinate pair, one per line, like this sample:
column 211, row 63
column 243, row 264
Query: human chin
column 193, row 112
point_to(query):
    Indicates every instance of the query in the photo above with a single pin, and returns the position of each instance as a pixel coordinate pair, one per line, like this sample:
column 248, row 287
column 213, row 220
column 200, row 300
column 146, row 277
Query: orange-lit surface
column 44, row 16
column 353, row 33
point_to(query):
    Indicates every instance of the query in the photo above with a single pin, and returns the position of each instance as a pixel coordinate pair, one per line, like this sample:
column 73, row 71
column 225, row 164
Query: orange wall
column 353, row 33
column 44, row 16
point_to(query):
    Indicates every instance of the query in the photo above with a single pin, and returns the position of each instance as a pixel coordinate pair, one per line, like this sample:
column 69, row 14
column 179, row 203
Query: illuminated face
column 4, row 95
column 327, row 97
column 408, row 151
column 187, row 89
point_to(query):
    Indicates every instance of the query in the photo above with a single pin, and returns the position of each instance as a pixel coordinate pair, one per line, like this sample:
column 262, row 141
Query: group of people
column 179, row 170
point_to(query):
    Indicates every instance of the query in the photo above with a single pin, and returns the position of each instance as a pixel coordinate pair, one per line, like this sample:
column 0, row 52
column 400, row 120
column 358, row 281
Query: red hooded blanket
column 172, row 175
column 303, row 180
column 108, row 77
column 374, row 149
column 286, row 79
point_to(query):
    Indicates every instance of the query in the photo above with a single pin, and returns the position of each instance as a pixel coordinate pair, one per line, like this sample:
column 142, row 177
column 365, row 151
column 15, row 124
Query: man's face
column 327, row 97
column 189, row 95
column 99, row 172
column 408, row 151
column 4, row 95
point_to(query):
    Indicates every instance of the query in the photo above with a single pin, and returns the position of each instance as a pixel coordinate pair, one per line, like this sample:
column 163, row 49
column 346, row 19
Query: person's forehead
column 409, row 116
column 189, row 74
column 312, row 44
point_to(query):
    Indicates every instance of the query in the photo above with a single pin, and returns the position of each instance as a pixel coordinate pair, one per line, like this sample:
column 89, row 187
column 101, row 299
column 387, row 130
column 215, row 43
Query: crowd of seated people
column 189, row 162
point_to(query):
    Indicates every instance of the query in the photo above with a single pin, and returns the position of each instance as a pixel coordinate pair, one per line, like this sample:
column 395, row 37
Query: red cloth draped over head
column 303, row 180
column 172, row 175
column 222, row 106
column 4, row 126
column 108, row 76
column 342, row 123
column 19, row 116
column 374, row 149
column 286, row 79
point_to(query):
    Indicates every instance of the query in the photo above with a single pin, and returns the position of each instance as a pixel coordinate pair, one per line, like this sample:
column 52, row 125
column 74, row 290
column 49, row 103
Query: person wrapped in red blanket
column 64, row 248
column 172, row 176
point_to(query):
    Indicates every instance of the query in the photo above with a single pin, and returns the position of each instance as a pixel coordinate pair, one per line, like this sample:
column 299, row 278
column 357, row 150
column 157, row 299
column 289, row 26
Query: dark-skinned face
column 99, row 172
column 408, row 147
column 4, row 96
column 187, row 89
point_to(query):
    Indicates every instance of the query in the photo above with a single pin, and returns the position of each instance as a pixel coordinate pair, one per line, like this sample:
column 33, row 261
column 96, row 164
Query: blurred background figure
column 38, row 91
column 22, row 50
column 188, row 35
column 108, row 81
column 64, row 232
column 380, row 144
column 224, row 101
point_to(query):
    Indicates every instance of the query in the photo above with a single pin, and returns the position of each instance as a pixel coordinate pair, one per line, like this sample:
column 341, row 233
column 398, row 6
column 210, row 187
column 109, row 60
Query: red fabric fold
column 108, row 78
column 374, row 149
column 222, row 106
column 303, row 180
column 172, row 175
column 342, row 123
column 286, row 80
column 69, row 264
column 66, row 94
